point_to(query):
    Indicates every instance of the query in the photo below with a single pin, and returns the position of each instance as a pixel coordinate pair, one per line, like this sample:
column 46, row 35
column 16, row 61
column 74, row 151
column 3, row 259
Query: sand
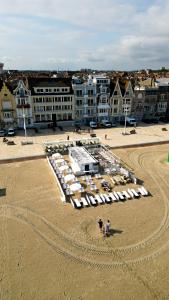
column 51, row 251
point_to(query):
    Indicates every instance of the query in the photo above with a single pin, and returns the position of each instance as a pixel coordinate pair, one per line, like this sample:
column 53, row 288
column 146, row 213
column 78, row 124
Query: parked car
column 105, row 123
column 11, row 132
column 93, row 124
column 2, row 133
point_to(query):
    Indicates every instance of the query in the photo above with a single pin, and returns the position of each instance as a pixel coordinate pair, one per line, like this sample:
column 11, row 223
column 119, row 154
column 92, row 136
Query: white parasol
column 75, row 187
column 69, row 177
column 63, row 168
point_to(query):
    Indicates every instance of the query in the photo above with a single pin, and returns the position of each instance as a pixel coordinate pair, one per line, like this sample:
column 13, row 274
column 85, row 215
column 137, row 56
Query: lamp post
column 125, row 107
column 24, row 123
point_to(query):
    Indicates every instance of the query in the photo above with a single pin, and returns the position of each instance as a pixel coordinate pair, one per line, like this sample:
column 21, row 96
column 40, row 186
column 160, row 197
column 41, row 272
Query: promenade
column 115, row 139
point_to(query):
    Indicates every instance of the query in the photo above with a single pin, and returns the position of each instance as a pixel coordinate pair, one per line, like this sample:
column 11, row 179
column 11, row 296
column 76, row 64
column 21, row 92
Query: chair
column 107, row 199
column 116, row 196
column 112, row 196
column 126, row 195
column 143, row 191
column 102, row 197
column 130, row 193
column 77, row 203
column 92, row 200
column 98, row 199
column 120, row 195
column 84, row 201
column 136, row 195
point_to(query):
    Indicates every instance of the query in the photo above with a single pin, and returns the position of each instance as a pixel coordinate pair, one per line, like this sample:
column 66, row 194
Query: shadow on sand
column 114, row 231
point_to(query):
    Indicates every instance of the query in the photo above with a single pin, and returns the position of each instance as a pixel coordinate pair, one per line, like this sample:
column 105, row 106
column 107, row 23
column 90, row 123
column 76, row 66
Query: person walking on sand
column 105, row 136
column 107, row 228
column 100, row 222
column 68, row 138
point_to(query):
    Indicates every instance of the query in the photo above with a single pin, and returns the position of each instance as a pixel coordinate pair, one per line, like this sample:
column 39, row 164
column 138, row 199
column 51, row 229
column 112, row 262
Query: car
column 2, row 133
column 11, row 132
column 93, row 124
column 106, row 123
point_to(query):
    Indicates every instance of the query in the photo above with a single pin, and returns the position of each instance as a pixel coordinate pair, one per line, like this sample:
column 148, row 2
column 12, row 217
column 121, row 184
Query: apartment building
column 7, row 106
column 85, row 101
column 121, row 99
column 137, row 109
column 103, row 96
column 52, row 99
column 23, row 105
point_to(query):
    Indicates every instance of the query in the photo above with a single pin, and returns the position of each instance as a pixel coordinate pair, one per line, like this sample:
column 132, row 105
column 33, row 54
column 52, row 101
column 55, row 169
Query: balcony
column 23, row 105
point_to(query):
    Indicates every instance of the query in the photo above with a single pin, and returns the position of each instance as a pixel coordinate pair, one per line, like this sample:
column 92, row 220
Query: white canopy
column 69, row 177
column 59, row 161
column 56, row 155
column 75, row 187
column 63, row 168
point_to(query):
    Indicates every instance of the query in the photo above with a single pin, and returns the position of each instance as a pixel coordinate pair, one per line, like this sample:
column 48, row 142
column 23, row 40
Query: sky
column 75, row 34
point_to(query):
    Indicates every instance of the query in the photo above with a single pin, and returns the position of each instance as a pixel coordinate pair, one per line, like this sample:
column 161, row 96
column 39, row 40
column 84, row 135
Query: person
column 68, row 137
column 105, row 136
column 107, row 228
column 100, row 222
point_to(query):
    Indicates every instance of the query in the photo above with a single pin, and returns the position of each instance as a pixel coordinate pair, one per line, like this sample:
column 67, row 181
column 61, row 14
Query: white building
column 85, row 100
column 103, row 96
column 82, row 162
column 23, row 105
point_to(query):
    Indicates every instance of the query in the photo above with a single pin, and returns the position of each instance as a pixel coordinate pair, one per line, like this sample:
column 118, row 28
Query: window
column 7, row 114
column 90, row 102
column 115, row 110
column 115, row 92
column 78, row 102
column 115, row 102
column 103, row 100
column 37, row 118
column 48, row 117
column 43, row 118
column 48, row 108
column 79, row 93
column 46, row 90
column 90, row 93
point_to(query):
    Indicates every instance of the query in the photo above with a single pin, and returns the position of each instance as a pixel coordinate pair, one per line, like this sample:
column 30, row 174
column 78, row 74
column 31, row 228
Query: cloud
column 88, row 33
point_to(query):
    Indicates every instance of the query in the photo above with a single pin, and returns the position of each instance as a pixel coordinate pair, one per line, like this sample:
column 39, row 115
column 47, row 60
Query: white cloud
column 98, row 34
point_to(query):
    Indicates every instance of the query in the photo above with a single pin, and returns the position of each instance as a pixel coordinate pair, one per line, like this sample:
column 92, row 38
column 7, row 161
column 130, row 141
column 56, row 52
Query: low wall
column 22, row 158
column 63, row 198
column 139, row 145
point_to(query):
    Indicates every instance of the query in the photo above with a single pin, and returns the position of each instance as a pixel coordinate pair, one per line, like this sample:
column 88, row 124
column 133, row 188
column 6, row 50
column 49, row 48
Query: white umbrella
column 59, row 161
column 69, row 177
column 75, row 187
column 63, row 168
column 56, row 155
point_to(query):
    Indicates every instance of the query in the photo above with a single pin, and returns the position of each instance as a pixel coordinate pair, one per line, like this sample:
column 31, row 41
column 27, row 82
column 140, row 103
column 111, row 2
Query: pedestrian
column 105, row 136
column 107, row 228
column 68, row 138
column 100, row 222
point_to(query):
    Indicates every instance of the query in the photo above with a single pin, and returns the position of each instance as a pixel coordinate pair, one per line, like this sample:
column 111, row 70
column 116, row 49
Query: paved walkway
column 115, row 139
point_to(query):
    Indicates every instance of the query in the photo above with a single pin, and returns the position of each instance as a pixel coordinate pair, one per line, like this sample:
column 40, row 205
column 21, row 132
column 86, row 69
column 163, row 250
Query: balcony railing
column 23, row 105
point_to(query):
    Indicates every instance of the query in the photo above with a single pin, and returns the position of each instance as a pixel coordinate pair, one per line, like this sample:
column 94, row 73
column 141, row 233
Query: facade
column 23, row 105
column 85, row 103
column 7, row 106
column 137, row 109
column 103, row 97
column 52, row 99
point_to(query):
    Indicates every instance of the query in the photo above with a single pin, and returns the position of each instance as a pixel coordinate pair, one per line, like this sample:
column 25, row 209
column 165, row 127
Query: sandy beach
column 51, row 251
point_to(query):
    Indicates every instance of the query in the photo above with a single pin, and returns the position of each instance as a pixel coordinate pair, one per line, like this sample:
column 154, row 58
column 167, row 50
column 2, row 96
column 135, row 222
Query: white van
column 131, row 121
column 11, row 132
